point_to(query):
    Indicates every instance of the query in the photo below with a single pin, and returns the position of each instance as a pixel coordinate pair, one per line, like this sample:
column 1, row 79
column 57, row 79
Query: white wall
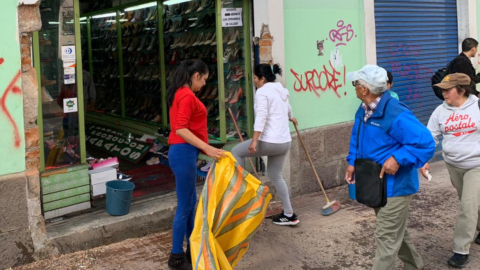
column 467, row 23
column 27, row 2
column 370, row 36
column 271, row 12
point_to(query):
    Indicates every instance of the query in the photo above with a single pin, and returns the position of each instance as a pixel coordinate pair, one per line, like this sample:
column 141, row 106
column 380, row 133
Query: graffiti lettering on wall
column 341, row 35
column 326, row 79
column 404, row 49
column 3, row 106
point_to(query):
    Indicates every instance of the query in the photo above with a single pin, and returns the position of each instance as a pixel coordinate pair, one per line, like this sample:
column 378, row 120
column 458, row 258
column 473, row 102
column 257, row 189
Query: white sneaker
column 153, row 161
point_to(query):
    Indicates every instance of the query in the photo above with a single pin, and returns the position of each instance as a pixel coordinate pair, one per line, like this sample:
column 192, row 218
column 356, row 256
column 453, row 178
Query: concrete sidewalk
column 341, row 241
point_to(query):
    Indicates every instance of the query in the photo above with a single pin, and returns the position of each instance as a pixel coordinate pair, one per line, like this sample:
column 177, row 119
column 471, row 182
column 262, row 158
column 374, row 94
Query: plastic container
column 351, row 191
column 119, row 197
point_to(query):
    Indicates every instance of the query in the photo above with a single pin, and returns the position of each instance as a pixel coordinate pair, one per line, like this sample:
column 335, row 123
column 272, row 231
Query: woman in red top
column 188, row 136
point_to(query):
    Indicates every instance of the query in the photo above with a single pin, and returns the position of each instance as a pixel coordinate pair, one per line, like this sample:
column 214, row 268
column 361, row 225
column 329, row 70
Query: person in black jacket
column 462, row 63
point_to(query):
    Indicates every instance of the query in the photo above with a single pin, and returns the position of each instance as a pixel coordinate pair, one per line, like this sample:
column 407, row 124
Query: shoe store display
column 153, row 161
column 123, row 177
column 126, row 59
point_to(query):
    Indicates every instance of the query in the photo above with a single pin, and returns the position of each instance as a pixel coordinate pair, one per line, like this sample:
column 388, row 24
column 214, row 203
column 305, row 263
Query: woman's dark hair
column 183, row 76
column 466, row 90
column 266, row 71
column 390, row 77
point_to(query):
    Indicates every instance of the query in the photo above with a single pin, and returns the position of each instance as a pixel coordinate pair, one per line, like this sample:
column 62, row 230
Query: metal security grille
column 414, row 39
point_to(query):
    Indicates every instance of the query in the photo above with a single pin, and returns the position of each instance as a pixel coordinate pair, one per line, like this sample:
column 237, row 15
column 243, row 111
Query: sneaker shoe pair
column 283, row 220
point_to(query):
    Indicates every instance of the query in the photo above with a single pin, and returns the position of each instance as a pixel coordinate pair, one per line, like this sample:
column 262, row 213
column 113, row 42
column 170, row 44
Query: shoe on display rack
column 201, row 163
column 123, row 177
column 153, row 161
column 206, row 167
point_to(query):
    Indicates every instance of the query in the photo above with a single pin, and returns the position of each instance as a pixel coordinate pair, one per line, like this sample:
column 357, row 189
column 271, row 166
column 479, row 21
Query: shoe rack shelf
column 132, row 54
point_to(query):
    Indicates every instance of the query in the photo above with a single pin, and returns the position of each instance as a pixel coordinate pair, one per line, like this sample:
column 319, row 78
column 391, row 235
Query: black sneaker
column 458, row 260
column 178, row 262
column 477, row 240
column 124, row 177
column 284, row 220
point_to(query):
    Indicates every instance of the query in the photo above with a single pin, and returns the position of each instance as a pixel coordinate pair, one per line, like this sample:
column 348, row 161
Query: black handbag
column 370, row 189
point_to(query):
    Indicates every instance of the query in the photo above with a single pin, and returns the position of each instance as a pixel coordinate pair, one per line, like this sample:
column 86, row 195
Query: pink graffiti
column 404, row 49
column 341, row 33
column 411, row 70
column 15, row 90
column 319, row 80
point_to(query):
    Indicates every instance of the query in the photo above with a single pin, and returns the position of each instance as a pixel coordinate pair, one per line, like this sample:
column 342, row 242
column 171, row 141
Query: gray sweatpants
column 276, row 153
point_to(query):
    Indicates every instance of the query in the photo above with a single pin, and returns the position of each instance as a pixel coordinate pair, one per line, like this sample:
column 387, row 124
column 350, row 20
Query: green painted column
column 248, row 65
column 81, row 112
column 220, row 71
column 162, row 63
column 120, row 63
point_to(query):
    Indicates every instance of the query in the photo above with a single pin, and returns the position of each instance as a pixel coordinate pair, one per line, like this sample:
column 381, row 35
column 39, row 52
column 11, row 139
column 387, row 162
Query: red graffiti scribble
column 341, row 33
column 314, row 79
column 15, row 90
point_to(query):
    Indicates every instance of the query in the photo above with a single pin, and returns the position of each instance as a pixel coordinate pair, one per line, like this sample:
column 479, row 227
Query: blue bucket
column 351, row 191
column 119, row 197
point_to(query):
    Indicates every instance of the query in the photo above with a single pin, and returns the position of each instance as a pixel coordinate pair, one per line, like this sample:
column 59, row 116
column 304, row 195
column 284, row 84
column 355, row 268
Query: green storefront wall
column 12, row 139
column 320, row 49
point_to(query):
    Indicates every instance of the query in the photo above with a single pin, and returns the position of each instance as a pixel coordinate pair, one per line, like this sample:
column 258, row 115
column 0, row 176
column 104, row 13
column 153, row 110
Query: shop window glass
column 59, row 84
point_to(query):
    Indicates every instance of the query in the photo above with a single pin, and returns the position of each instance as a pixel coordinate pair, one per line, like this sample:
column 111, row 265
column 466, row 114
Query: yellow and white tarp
column 231, row 209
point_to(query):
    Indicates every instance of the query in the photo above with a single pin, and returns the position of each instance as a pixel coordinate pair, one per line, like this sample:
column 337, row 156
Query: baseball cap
column 452, row 80
column 371, row 74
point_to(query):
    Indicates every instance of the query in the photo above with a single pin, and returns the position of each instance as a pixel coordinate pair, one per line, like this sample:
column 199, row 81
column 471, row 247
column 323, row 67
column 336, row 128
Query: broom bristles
column 331, row 208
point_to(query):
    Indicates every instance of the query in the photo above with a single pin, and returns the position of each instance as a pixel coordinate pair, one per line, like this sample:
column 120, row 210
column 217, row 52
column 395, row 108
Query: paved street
column 341, row 241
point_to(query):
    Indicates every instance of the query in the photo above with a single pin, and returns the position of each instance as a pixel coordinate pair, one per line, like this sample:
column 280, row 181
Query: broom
column 241, row 139
column 332, row 206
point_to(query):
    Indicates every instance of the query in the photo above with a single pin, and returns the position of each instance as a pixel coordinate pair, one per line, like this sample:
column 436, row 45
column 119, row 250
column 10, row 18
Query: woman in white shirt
column 271, row 136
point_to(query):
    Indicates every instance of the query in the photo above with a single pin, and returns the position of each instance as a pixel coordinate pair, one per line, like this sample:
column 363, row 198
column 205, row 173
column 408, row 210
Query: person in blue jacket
column 392, row 136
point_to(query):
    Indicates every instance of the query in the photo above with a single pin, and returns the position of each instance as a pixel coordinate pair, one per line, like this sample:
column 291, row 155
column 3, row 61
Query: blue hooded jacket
column 393, row 130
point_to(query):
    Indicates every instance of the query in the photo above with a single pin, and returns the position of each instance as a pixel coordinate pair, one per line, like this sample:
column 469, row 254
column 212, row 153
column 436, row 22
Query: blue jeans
column 183, row 162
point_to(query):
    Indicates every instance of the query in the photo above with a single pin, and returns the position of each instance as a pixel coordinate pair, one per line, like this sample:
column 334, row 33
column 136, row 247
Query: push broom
column 332, row 206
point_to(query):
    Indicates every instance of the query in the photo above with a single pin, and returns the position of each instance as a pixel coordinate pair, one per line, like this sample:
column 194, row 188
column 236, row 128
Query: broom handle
column 311, row 163
column 241, row 139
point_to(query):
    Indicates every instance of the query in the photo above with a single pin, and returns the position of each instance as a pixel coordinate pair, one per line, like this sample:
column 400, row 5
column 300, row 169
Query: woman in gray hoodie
column 457, row 120
column 271, row 136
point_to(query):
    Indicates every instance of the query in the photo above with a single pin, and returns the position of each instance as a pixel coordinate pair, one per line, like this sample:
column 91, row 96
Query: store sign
column 68, row 53
column 232, row 17
column 70, row 105
column 116, row 143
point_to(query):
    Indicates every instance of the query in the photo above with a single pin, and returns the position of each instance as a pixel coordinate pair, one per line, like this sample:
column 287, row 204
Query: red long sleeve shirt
column 187, row 111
